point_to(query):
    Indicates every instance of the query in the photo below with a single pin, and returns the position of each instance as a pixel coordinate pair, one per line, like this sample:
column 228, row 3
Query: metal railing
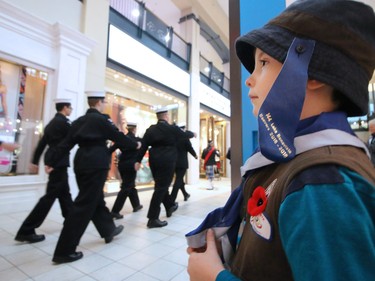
column 137, row 13
column 213, row 78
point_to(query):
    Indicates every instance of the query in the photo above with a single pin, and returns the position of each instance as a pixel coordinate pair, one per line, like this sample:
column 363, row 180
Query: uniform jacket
column 162, row 137
column 298, row 191
column 55, row 131
column 90, row 132
column 183, row 147
column 128, row 156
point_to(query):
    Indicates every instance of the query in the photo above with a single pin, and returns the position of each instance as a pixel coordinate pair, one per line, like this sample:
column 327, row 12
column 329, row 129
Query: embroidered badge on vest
column 256, row 206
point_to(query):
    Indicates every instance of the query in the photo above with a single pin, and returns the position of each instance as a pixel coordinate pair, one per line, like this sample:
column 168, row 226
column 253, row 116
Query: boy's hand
column 205, row 266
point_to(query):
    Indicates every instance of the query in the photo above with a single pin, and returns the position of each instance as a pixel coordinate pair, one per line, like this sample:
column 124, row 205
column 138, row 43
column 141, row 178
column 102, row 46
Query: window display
column 22, row 91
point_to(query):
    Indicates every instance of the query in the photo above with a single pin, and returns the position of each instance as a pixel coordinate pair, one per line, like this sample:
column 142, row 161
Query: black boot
column 152, row 223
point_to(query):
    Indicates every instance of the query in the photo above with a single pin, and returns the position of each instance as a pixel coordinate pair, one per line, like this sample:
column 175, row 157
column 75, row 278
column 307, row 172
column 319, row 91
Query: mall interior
column 145, row 55
column 140, row 53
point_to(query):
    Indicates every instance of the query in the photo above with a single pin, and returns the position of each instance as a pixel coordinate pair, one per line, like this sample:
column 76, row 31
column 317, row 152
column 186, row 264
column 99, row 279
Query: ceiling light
column 135, row 13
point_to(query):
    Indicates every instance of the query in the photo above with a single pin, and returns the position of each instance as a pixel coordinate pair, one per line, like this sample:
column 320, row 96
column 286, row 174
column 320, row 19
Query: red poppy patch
column 257, row 202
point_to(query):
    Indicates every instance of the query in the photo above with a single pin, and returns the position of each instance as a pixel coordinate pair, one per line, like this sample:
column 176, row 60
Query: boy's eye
column 263, row 62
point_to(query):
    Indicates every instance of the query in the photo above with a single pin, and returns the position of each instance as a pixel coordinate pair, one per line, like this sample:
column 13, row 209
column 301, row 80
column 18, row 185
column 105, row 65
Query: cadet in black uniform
column 58, row 185
column 183, row 148
column 162, row 137
column 125, row 166
column 91, row 165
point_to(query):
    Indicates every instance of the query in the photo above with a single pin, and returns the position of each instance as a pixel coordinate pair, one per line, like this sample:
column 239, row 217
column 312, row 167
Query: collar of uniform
column 93, row 110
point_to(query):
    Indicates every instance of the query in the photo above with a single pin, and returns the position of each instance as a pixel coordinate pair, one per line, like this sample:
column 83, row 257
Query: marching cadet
column 162, row 137
column 91, row 165
column 128, row 174
column 184, row 147
column 58, row 185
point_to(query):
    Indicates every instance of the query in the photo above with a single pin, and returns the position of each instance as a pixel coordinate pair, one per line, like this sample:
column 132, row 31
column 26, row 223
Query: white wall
column 67, row 12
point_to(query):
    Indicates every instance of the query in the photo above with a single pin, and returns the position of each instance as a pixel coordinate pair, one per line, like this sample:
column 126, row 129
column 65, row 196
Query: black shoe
column 117, row 216
column 172, row 209
column 156, row 223
column 136, row 209
column 115, row 232
column 31, row 238
column 68, row 258
column 186, row 197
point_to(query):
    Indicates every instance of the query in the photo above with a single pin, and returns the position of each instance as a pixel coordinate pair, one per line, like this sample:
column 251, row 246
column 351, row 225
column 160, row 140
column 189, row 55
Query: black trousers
column 163, row 176
column 127, row 189
column 88, row 205
column 57, row 188
column 179, row 183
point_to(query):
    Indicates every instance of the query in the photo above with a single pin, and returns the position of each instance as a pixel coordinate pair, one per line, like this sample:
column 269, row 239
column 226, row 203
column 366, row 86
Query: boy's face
column 261, row 80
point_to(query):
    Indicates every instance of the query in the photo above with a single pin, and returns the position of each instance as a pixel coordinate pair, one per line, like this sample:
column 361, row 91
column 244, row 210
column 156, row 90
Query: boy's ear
column 314, row 84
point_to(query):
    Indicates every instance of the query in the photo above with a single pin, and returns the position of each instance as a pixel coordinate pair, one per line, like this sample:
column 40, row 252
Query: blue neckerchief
column 330, row 128
column 327, row 120
column 280, row 112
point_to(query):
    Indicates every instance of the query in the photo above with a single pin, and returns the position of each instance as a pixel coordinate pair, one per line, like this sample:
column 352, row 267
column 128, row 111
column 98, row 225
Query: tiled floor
column 137, row 254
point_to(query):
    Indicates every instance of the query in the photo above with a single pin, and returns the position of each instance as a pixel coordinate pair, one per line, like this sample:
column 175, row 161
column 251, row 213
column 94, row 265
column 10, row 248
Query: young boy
column 306, row 207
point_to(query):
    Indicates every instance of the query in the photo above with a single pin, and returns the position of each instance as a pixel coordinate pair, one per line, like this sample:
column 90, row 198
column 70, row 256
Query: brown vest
column 262, row 260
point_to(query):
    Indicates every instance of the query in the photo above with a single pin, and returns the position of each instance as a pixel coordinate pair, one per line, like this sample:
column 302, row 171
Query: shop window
column 22, row 91
column 213, row 128
column 123, row 110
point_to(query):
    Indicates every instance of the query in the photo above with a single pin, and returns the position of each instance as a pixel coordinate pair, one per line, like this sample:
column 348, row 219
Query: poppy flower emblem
column 257, row 202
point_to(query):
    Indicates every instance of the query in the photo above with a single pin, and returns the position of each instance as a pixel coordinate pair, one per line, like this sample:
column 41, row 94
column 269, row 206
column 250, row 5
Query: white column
column 95, row 26
column 192, row 31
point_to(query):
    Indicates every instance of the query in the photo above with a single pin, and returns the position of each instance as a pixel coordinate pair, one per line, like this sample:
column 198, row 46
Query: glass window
column 22, row 91
column 123, row 110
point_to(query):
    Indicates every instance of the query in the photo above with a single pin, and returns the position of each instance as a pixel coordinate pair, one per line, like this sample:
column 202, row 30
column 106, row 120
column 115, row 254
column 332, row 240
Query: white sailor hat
column 131, row 124
column 182, row 125
column 95, row 94
column 61, row 100
column 166, row 108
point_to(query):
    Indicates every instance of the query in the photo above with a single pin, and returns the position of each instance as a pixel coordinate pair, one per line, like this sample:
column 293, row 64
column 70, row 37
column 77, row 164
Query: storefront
column 132, row 100
column 214, row 126
column 39, row 62
column 22, row 91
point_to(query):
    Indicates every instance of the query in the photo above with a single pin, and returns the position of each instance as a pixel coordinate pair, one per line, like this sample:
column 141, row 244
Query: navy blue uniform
column 183, row 148
column 162, row 137
column 125, row 166
column 91, row 165
column 58, row 185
